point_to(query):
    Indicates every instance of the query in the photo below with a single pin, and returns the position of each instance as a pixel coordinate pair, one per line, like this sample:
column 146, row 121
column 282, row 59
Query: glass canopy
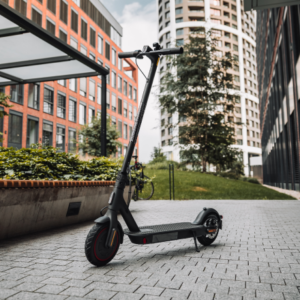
column 263, row 4
column 29, row 53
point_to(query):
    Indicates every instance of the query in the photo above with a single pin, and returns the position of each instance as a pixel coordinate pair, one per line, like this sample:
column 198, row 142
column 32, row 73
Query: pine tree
column 198, row 86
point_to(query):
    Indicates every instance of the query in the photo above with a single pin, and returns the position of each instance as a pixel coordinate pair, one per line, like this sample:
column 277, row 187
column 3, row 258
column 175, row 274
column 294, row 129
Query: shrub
column 47, row 163
column 163, row 165
column 229, row 175
column 250, row 179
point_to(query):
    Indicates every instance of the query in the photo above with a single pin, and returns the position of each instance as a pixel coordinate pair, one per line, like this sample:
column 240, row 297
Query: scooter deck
column 166, row 232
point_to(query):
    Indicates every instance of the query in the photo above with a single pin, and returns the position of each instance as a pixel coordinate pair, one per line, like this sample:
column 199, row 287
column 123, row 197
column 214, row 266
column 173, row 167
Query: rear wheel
column 210, row 220
column 144, row 190
column 95, row 250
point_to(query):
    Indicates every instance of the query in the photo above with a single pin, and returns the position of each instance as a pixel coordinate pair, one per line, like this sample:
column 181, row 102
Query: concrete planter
column 33, row 206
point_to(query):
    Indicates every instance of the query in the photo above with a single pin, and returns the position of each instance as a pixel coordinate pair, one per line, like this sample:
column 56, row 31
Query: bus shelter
column 30, row 54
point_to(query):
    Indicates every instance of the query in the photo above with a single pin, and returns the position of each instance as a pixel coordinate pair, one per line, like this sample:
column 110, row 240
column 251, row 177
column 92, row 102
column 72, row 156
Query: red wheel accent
column 95, row 252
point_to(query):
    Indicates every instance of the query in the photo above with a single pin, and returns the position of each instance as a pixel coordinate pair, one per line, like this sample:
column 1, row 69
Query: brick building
column 51, row 112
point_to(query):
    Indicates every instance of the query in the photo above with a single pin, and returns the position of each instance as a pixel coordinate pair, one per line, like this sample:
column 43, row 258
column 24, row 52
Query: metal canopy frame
column 265, row 4
column 67, row 55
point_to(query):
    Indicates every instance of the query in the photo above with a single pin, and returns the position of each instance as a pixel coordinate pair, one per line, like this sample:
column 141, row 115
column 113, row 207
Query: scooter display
column 104, row 238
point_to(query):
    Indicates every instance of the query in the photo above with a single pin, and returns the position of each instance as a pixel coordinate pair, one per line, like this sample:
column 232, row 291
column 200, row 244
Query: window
column 47, row 133
column 51, row 5
column 114, row 54
column 92, row 90
column 108, row 76
column 170, row 130
column 107, row 51
column 113, row 103
column 50, row 26
column 179, row 42
column 114, row 80
column 63, row 36
column 82, row 87
column 74, row 21
column 72, row 110
column 73, row 43
column 100, row 44
column 162, row 123
column 83, row 29
column 168, row 35
column 179, row 31
column 17, row 93
column 168, row 45
column 167, row 15
column 20, row 6
column 48, row 101
column 215, row 2
column 178, row 2
column 119, row 106
column 179, row 20
column 82, row 114
column 234, row 18
column 64, row 11
column 107, row 99
column 60, row 138
column 130, row 91
column 134, row 95
column 61, row 106
column 130, row 111
column 92, row 37
column 239, row 142
column 215, row 12
column 15, row 121
column 134, row 113
column 125, row 88
column 178, row 11
column 235, row 47
column 99, row 94
column 32, row 131
column 130, row 131
column 120, row 64
column 167, row 5
column 91, row 114
column 73, row 84
column 33, row 96
column 125, row 109
column 216, row 21
column 125, row 135
column 36, row 16
column 62, row 82
column 120, row 84
column 120, row 127
column 72, row 141
column 236, row 78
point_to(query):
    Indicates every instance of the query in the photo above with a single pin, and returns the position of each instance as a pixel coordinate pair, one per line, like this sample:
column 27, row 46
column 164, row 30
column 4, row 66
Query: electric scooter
column 103, row 240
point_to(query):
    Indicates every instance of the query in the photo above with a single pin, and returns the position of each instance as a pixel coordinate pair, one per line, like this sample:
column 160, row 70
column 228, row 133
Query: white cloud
column 140, row 28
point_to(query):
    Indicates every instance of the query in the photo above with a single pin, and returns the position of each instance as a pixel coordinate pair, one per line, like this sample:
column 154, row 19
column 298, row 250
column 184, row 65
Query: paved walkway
column 292, row 193
column 256, row 256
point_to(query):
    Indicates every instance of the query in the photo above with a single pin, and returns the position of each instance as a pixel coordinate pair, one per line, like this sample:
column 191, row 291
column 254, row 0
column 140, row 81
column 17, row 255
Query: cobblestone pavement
column 256, row 256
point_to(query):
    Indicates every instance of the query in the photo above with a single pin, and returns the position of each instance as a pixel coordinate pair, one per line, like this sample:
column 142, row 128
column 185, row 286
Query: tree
column 157, row 155
column 3, row 102
column 198, row 85
column 90, row 138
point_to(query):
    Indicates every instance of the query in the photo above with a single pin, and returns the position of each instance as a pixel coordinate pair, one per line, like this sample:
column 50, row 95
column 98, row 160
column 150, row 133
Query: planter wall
column 33, row 206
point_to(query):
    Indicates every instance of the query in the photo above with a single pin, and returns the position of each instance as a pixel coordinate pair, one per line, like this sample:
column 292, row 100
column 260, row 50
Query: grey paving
column 256, row 256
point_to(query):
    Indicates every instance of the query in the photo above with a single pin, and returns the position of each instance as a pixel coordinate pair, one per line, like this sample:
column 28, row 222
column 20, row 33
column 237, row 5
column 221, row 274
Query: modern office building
column 50, row 113
column 278, row 57
column 237, row 33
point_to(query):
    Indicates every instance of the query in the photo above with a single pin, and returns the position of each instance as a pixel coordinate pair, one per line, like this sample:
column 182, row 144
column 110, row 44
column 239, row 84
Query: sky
column 139, row 22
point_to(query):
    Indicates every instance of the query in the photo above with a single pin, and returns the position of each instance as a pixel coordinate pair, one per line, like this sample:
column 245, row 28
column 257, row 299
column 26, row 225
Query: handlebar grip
column 169, row 51
column 129, row 54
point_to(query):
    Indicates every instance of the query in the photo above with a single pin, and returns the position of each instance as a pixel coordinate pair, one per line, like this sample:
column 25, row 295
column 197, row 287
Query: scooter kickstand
column 196, row 246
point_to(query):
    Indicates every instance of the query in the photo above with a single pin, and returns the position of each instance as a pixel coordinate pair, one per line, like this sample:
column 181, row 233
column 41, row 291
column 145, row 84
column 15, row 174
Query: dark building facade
column 278, row 61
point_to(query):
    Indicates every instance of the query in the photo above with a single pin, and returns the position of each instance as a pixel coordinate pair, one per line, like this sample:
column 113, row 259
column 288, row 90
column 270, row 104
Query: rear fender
column 204, row 213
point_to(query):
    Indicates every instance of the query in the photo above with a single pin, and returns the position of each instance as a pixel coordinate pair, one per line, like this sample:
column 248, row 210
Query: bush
column 164, row 165
column 47, row 163
column 229, row 175
column 250, row 179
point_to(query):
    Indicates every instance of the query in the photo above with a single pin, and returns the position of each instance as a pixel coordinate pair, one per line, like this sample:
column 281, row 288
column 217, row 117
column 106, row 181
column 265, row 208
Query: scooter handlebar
column 168, row 51
column 129, row 54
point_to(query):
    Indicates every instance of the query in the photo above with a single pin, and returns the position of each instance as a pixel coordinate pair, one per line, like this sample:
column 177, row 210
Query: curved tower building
column 237, row 32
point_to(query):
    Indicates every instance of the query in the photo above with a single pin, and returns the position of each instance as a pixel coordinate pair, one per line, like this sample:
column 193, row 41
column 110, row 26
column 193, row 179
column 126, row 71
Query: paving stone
column 150, row 297
column 74, row 291
column 130, row 288
column 201, row 295
column 51, row 289
column 8, row 284
column 270, row 295
column 28, row 286
column 100, row 294
column 127, row 296
column 171, row 284
column 36, row 296
column 147, row 290
column 175, row 293
column 5, row 293
column 55, row 280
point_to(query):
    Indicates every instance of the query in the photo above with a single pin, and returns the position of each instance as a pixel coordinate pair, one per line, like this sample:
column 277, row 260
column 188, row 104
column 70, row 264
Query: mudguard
column 105, row 219
column 204, row 213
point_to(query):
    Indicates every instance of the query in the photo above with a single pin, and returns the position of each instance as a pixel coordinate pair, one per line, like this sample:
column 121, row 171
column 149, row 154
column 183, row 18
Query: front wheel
column 210, row 220
column 95, row 250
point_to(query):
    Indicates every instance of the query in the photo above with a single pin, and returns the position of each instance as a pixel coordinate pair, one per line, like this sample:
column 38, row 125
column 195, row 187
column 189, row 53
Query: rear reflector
column 221, row 217
column 144, row 241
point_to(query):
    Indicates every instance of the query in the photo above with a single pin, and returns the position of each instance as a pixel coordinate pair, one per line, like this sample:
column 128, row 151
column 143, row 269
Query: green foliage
column 3, row 102
column 251, row 180
column 90, row 138
column 200, row 91
column 47, row 163
column 157, row 156
column 162, row 165
column 197, row 185
column 229, row 175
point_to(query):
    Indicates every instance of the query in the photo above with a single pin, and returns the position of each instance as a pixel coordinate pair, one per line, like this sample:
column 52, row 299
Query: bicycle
column 144, row 189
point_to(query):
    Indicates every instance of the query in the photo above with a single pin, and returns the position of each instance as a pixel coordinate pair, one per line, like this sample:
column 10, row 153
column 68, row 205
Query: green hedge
column 47, row 163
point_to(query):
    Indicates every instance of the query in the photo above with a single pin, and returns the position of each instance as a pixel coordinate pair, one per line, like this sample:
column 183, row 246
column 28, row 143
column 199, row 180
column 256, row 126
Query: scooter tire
column 208, row 239
column 95, row 250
